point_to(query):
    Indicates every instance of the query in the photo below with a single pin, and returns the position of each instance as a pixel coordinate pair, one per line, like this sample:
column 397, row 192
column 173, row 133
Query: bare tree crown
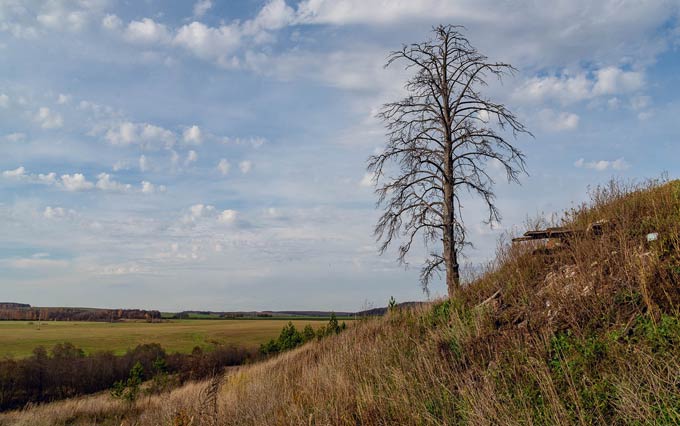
column 441, row 139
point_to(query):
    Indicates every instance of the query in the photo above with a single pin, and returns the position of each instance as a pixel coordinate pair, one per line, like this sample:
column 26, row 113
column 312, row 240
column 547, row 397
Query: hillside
column 586, row 332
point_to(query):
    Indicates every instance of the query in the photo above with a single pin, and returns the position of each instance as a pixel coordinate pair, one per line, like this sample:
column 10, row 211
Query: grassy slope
column 584, row 335
column 19, row 338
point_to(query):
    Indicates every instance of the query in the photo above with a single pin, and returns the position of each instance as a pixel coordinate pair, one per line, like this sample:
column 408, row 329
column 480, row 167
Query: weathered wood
column 563, row 233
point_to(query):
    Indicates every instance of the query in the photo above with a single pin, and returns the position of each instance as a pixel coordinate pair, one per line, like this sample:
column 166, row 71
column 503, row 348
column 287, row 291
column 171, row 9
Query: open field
column 19, row 338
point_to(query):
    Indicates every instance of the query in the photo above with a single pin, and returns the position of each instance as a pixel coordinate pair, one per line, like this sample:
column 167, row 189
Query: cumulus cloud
column 47, row 178
column 150, row 188
column 210, row 43
column 223, row 166
column 16, row 173
column 192, row 156
column 245, row 166
column 602, row 165
column 198, row 211
column 144, row 134
column 105, row 183
column 612, row 80
column 568, row 89
column 76, row 182
column 146, row 31
column 201, row 7
column 564, row 88
column 227, row 216
column 21, row 174
column 553, row 121
column 192, row 135
column 48, row 119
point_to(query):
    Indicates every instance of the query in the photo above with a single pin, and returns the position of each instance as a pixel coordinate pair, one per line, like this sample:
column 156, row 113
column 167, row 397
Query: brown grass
column 585, row 334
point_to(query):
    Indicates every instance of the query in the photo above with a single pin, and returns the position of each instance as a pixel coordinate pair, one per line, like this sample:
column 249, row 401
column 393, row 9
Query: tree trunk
column 449, row 240
column 451, row 261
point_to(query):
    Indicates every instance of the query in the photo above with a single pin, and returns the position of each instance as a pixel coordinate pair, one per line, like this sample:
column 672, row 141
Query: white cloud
column 146, row 31
column 4, row 100
column 255, row 142
column 198, row 211
column 150, row 188
column 640, row 102
column 145, row 134
column 19, row 172
column 15, row 137
column 612, row 80
column 245, row 166
column 48, row 119
column 568, row 89
column 35, row 263
column 75, row 182
column 209, row 43
column 274, row 15
column 63, row 99
column 602, row 165
column 105, row 183
column 223, row 166
column 49, row 178
column 192, row 135
column 143, row 163
column 192, row 156
column 557, row 121
column 368, row 180
column 59, row 18
column 57, row 212
column 564, row 88
column 201, row 7
column 227, row 216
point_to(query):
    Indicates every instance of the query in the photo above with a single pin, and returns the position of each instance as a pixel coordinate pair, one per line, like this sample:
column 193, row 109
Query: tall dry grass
column 587, row 333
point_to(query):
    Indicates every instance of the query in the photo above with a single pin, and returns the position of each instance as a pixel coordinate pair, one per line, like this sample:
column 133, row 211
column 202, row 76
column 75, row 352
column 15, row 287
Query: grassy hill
column 585, row 333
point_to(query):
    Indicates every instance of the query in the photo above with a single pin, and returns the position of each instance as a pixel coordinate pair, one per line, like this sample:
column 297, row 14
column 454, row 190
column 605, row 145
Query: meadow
column 19, row 338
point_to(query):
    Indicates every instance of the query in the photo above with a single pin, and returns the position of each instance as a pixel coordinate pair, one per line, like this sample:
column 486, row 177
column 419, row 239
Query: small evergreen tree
column 129, row 389
column 333, row 326
column 392, row 304
column 308, row 333
column 289, row 337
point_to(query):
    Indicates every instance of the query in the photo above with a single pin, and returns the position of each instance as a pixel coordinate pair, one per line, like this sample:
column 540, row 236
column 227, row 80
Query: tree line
column 17, row 313
column 291, row 338
column 66, row 371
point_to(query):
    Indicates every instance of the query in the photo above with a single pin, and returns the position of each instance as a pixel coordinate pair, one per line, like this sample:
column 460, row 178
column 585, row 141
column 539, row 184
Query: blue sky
column 211, row 154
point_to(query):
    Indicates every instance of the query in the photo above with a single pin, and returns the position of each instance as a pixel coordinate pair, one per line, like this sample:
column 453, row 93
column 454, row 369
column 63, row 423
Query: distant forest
column 24, row 312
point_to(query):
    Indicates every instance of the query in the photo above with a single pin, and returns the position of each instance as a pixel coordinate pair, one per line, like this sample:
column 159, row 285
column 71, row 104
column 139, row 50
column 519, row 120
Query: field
column 19, row 338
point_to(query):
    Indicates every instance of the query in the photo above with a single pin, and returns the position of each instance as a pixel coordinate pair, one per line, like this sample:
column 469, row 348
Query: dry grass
column 587, row 334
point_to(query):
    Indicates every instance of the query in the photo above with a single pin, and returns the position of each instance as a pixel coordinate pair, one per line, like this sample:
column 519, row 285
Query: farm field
column 19, row 338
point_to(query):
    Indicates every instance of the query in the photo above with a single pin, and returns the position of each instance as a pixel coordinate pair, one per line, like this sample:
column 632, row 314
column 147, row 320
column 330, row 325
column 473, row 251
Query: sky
column 212, row 155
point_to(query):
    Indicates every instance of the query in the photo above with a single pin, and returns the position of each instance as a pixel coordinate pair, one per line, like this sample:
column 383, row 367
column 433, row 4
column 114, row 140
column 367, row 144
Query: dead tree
column 441, row 140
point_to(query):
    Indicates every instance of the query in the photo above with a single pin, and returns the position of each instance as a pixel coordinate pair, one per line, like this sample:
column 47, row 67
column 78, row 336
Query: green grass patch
column 19, row 338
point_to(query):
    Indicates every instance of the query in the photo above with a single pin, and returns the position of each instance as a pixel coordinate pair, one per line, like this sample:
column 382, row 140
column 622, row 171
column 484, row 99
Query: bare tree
column 441, row 140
